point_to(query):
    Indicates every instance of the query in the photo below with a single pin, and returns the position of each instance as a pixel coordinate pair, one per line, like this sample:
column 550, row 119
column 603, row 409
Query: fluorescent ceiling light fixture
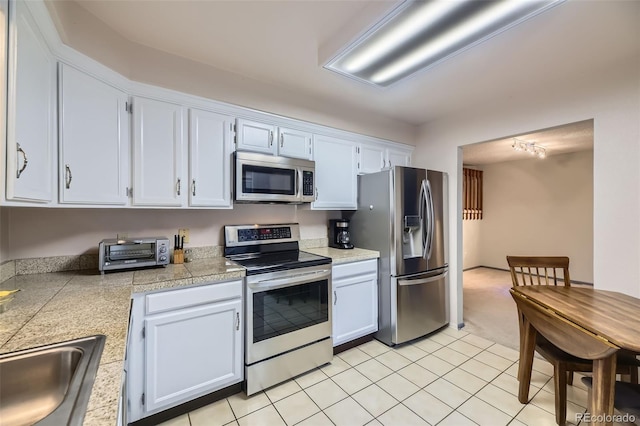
column 420, row 34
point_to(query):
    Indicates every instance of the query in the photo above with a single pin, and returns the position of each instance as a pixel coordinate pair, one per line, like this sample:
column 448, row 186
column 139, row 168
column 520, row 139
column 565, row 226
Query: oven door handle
column 290, row 280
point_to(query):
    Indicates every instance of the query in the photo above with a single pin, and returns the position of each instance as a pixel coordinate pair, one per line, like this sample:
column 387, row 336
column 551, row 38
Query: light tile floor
column 449, row 378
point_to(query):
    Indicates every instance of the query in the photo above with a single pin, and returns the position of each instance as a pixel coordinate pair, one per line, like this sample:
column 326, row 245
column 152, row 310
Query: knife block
column 178, row 256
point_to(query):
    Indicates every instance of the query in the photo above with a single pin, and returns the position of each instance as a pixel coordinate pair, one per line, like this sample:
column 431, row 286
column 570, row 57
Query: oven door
column 287, row 310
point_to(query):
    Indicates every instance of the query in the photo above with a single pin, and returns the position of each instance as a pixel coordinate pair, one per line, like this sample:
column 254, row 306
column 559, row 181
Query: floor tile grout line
column 411, row 361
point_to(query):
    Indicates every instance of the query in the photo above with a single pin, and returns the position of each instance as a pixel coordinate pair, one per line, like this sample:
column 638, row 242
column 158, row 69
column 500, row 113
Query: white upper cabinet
column 94, row 140
column 336, row 173
column 294, row 143
column 210, row 148
column 255, row 136
column 269, row 139
column 397, row 157
column 30, row 111
column 159, row 160
column 373, row 158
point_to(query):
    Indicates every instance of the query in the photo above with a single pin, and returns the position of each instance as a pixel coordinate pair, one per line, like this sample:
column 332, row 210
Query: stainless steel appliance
column 339, row 236
column 287, row 303
column 114, row 254
column 271, row 179
column 401, row 213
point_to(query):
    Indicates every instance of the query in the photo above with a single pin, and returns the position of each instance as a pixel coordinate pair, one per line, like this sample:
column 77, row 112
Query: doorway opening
column 531, row 206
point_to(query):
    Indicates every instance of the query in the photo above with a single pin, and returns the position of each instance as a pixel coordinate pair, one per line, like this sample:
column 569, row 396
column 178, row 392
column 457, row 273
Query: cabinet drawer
column 178, row 299
column 362, row 267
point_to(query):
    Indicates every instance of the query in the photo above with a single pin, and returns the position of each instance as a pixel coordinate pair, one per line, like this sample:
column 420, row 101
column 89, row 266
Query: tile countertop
column 344, row 256
column 60, row 306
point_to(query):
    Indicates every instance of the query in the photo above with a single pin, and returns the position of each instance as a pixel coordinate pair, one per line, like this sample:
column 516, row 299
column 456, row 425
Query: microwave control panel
column 307, row 183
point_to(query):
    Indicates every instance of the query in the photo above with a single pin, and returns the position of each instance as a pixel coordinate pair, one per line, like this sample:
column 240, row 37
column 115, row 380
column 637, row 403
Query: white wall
column 42, row 232
column 536, row 207
column 4, row 236
column 471, row 239
column 612, row 99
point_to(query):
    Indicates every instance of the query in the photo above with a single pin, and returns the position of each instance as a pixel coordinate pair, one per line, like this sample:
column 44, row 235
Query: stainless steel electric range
column 287, row 303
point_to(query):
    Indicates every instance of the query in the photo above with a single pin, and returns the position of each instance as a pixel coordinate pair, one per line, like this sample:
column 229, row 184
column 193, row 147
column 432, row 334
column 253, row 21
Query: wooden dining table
column 584, row 322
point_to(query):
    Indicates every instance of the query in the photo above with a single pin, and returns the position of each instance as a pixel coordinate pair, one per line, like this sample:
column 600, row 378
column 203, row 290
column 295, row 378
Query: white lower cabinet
column 183, row 344
column 355, row 300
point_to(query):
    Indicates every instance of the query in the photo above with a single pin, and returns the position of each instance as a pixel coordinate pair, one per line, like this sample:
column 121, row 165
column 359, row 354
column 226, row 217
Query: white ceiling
column 277, row 42
column 565, row 139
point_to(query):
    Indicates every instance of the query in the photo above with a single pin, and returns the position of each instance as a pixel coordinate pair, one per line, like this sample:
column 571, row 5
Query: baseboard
column 507, row 270
column 352, row 344
column 187, row 407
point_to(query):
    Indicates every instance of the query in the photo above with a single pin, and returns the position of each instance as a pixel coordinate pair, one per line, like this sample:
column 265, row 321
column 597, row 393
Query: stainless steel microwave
column 264, row 178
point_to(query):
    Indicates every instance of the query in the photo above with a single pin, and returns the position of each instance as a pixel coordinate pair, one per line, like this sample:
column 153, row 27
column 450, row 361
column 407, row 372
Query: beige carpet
column 489, row 310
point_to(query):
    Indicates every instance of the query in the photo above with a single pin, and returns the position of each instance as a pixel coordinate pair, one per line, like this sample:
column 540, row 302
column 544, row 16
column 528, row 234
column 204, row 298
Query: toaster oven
column 117, row 254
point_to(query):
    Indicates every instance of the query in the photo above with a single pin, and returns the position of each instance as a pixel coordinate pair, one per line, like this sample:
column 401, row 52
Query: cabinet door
column 31, row 110
column 371, row 159
column 355, row 307
column 158, row 154
column 255, row 136
column 294, row 143
column 94, row 140
column 336, row 174
column 191, row 352
column 398, row 158
column 210, row 148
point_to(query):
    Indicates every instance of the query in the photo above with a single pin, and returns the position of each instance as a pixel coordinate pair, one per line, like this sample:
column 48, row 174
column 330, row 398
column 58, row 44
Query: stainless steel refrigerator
column 402, row 214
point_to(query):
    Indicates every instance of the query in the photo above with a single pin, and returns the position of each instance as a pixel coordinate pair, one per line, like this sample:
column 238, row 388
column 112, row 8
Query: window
column 472, row 194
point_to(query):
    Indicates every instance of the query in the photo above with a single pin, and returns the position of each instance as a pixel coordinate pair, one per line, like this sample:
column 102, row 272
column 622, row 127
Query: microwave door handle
column 298, row 183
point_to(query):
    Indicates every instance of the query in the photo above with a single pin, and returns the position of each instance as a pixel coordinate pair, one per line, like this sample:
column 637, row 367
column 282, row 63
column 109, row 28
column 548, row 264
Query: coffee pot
column 339, row 234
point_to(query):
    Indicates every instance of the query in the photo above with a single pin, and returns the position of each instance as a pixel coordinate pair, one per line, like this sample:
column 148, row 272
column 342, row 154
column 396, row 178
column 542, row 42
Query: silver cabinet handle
column 316, row 193
column 193, row 187
column 237, row 320
column 178, row 187
column 335, row 297
column 68, row 176
column 271, row 138
column 281, row 140
column 24, row 164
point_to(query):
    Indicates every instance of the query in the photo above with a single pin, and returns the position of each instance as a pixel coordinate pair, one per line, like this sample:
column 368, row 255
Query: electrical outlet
column 122, row 235
column 184, row 233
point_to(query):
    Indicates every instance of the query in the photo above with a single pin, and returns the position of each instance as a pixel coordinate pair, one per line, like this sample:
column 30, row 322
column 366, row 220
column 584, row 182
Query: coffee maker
column 339, row 234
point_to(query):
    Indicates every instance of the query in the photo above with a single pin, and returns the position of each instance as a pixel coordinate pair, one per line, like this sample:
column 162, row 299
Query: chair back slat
column 539, row 270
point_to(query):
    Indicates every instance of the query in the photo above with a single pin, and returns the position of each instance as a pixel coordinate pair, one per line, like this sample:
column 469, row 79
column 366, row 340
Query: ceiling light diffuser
column 420, row 34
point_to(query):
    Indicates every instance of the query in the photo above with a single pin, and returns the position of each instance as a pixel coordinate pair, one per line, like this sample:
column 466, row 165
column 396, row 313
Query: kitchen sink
column 49, row 384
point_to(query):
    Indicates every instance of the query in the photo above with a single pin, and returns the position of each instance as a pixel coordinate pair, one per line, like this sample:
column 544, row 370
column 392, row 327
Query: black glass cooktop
column 278, row 261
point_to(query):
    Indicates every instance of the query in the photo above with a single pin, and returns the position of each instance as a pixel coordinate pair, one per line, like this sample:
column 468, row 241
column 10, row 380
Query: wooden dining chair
column 626, row 399
column 554, row 270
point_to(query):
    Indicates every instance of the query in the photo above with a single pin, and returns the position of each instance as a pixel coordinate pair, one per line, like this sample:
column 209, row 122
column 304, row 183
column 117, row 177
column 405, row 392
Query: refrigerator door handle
column 406, row 281
column 424, row 219
column 430, row 218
